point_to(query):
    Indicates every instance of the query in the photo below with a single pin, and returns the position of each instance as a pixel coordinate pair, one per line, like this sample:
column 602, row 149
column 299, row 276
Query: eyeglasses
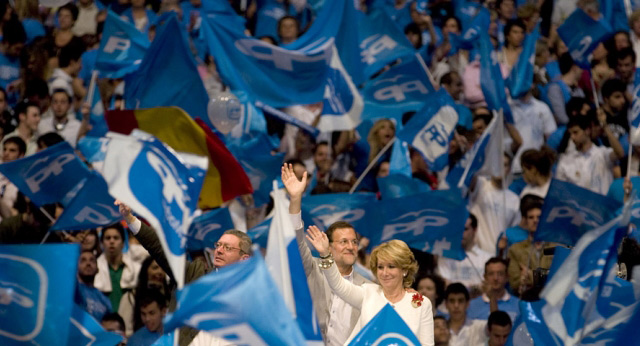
column 344, row 242
column 225, row 247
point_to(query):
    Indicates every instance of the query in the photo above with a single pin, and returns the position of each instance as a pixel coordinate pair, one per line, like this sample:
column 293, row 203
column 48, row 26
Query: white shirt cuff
column 296, row 220
column 135, row 226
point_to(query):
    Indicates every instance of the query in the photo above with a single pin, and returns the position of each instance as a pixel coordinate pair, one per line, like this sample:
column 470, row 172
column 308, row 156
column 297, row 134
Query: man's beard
column 87, row 279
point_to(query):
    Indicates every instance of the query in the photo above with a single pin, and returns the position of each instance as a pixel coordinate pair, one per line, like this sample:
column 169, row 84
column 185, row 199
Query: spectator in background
column 529, row 14
column 87, row 296
column 615, row 106
column 452, row 83
column 66, row 75
column 441, row 333
column 13, row 40
column 464, row 331
column 13, row 149
column 48, row 140
column 140, row 16
column 28, row 120
column 61, row 122
column 499, row 327
column 536, row 170
column 561, row 90
column 432, row 287
column 624, row 63
column 63, row 35
column 514, row 33
column 381, row 133
column 494, row 296
column 153, row 307
column 112, row 322
column 288, row 29
column 530, row 209
column 86, row 22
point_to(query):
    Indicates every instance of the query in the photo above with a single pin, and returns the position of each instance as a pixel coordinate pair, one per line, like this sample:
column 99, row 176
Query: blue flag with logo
column 634, row 112
column 399, row 185
column 491, row 81
column 90, row 207
column 240, row 303
column 206, row 229
column 122, row 47
column 48, row 176
column 159, row 186
column 521, row 77
column 430, row 130
column 85, row 330
column 37, row 284
column 386, row 328
column 480, row 22
column 259, row 233
column 400, row 161
column 168, row 75
column 93, row 148
column 582, row 34
column 274, row 75
column 569, row 211
column 261, row 170
column 324, row 209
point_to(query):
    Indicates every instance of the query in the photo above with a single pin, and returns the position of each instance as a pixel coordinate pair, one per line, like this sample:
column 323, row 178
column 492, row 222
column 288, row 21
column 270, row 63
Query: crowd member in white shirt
column 28, row 120
column 469, row 271
column 61, row 123
column 464, row 331
column 591, row 165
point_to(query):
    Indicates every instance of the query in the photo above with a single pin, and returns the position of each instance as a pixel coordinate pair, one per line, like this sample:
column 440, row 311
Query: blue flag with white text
column 466, row 39
column 521, row 77
column 37, row 284
column 430, row 130
column 85, row 330
column 122, row 47
column 491, row 81
column 206, row 229
column 569, row 211
column 582, row 34
column 386, row 328
column 324, row 209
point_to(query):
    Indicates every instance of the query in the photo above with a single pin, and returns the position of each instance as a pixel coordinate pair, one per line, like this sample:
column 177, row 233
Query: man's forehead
column 229, row 239
column 345, row 232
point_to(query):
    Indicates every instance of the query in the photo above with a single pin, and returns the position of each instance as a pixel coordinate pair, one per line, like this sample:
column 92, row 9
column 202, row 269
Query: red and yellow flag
column 225, row 178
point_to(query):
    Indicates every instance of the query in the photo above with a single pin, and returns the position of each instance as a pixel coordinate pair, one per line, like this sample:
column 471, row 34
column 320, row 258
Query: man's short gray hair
column 245, row 241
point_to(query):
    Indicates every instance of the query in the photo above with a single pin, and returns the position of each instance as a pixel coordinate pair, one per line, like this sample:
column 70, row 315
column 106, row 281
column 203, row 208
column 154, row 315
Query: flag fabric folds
column 521, row 77
column 582, row 34
column 122, row 47
column 385, row 328
column 85, row 330
column 491, row 81
column 206, row 229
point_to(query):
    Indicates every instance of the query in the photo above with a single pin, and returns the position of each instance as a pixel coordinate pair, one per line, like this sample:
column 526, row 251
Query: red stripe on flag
column 121, row 121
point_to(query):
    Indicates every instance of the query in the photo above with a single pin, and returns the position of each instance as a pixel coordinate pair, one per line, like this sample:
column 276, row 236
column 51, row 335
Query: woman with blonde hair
column 394, row 266
column 381, row 133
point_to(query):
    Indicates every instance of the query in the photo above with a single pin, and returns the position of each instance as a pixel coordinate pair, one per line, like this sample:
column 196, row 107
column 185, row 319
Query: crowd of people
column 572, row 125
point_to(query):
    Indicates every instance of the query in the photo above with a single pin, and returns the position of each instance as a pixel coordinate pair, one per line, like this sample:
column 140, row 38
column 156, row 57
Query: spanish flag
column 225, row 178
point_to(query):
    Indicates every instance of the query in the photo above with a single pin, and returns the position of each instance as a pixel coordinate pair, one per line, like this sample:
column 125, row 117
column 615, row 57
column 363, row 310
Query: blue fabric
column 385, row 328
column 259, row 234
column 143, row 337
column 521, row 77
column 10, row 70
column 479, row 309
column 206, row 229
column 516, row 234
column 582, row 35
column 555, row 138
column 92, row 300
column 517, row 185
column 261, row 169
column 122, row 48
column 465, row 118
column 86, row 330
column 491, row 81
column 324, row 209
column 88, row 65
column 616, row 191
column 400, row 162
column 553, row 69
column 33, row 28
column 634, row 117
column 398, row 185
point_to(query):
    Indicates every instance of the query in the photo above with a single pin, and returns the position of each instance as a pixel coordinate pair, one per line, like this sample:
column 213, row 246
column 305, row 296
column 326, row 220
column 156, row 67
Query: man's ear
column 244, row 257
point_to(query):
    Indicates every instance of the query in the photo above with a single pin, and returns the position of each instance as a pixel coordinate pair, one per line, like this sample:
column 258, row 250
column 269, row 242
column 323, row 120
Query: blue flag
column 529, row 328
column 92, row 206
column 274, row 75
column 240, row 303
column 480, row 22
column 582, row 34
column 430, row 130
column 48, row 176
column 206, row 229
column 324, row 209
column 159, row 186
column 634, row 116
column 85, row 330
column 491, row 80
column 97, row 121
column 37, row 283
column 385, row 328
column 521, row 77
column 259, row 234
column 166, row 339
column 168, row 75
column 261, row 170
column 400, row 161
column 122, row 47
column 93, row 148
column 569, row 211
column 399, row 185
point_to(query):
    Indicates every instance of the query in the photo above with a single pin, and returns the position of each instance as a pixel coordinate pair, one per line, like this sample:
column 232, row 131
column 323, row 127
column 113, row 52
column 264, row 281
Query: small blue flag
column 400, row 162
column 324, row 209
column 259, row 234
column 582, row 34
column 491, row 80
column 399, row 185
column 85, row 330
column 206, row 229
column 385, row 328
column 122, row 47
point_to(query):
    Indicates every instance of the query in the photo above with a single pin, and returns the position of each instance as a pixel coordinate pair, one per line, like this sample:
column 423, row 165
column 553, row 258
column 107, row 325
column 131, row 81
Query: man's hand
column 295, row 188
column 125, row 211
column 319, row 240
column 602, row 117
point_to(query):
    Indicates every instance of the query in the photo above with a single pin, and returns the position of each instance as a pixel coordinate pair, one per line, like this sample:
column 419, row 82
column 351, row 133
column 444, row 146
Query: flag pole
column 371, row 164
column 427, row 71
column 92, row 86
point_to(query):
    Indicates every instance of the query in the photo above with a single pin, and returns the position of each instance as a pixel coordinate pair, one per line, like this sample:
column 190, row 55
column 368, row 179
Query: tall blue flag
column 480, row 22
column 97, row 121
column 168, row 75
column 491, row 80
column 400, row 161
column 122, row 47
column 385, row 328
column 240, row 303
column 206, row 229
column 324, row 209
column 430, row 130
column 85, row 330
column 634, row 116
column 569, row 211
column 37, row 283
column 48, row 176
column 582, row 34
column 521, row 77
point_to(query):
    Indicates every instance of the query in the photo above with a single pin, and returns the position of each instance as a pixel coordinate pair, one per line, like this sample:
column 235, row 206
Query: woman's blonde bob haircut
column 397, row 252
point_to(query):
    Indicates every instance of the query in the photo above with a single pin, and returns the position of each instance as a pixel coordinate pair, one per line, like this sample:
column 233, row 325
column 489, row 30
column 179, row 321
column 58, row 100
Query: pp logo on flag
column 433, row 139
column 393, row 339
column 281, row 58
column 398, row 92
column 26, row 303
column 117, row 43
column 416, row 222
column 93, row 215
column 577, row 213
column 38, row 172
column 377, row 44
column 331, row 216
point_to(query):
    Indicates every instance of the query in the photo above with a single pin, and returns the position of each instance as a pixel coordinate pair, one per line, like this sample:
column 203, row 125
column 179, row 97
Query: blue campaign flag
column 634, row 116
column 46, row 177
column 430, row 130
column 166, row 339
column 324, row 209
column 381, row 42
column 399, row 185
column 521, row 77
column 400, row 162
column 92, row 206
column 529, row 328
column 259, row 234
column 168, row 75
column 261, row 170
column 385, row 328
column 122, row 47
column 85, row 330
column 431, row 221
column 491, row 81
column 569, row 211
column 240, row 303
column 158, row 185
column 274, row 75
column 480, row 22
column 206, row 229
column 582, row 34
column 37, row 284
column 93, row 148
column 97, row 121
column 466, row 11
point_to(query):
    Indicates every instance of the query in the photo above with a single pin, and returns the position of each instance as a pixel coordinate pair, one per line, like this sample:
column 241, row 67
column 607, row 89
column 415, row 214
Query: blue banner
column 430, row 130
column 385, row 328
column 206, row 229
column 259, row 233
column 582, row 34
column 48, row 176
column 85, row 330
column 399, row 185
column 569, row 211
column 261, row 170
column 122, row 47
column 634, row 112
column 37, row 284
column 491, row 81
column 240, row 303
column 471, row 33
column 400, row 162
column 521, row 78
column 324, row 209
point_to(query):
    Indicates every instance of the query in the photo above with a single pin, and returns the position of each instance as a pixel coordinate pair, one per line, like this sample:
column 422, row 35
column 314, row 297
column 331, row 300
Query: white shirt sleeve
column 347, row 291
column 135, row 226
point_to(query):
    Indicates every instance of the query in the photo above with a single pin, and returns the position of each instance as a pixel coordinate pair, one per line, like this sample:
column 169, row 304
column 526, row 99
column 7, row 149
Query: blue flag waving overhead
column 400, row 161
column 521, row 77
column 122, row 47
column 386, row 328
column 97, row 121
column 259, row 234
column 491, row 80
column 85, row 330
column 206, row 229
column 582, row 34
column 430, row 130
column 159, row 186
column 569, row 211
column 261, row 170
column 480, row 22
column 168, row 75
column 37, row 284
column 634, row 116
column 240, row 303
column 399, row 185
column 46, row 177
column 324, row 209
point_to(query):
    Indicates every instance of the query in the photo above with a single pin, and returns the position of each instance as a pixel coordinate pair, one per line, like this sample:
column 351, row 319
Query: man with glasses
column 336, row 317
column 233, row 246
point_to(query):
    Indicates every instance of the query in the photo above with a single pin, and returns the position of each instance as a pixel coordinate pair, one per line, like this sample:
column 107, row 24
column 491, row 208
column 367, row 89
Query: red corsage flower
column 416, row 300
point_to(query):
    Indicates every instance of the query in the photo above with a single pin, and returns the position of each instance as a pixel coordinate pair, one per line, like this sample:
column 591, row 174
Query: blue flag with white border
column 430, row 130
column 206, row 229
column 324, row 209
column 569, row 211
column 582, row 34
column 47, row 176
column 85, row 330
column 122, row 47
column 491, row 80
column 521, row 77
column 37, row 284
column 240, row 303
column 386, row 328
